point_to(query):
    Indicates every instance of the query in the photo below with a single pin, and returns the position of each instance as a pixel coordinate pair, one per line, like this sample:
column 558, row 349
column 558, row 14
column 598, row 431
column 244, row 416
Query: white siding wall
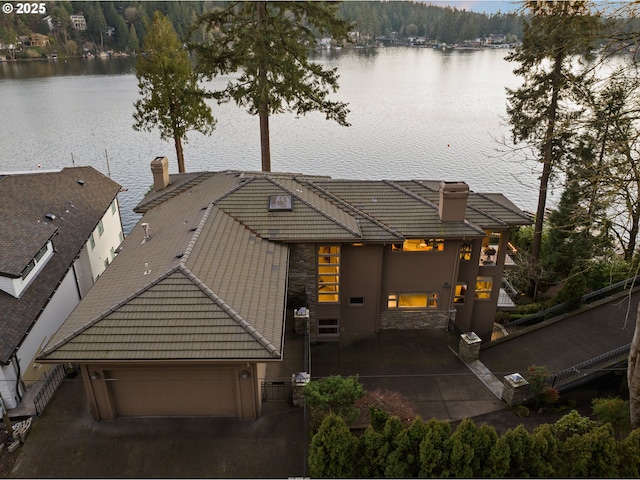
column 89, row 265
column 58, row 309
column 110, row 239
column 7, row 386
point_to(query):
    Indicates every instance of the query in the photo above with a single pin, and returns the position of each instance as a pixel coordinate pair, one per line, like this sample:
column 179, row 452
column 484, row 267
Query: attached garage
column 229, row 390
column 184, row 320
column 172, row 391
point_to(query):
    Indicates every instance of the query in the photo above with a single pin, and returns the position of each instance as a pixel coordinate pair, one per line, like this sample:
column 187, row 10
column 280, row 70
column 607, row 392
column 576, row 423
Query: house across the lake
column 58, row 232
column 194, row 307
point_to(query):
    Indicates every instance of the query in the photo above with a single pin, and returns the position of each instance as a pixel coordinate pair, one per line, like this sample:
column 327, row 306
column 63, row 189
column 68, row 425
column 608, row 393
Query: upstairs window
column 460, row 293
column 328, row 273
column 465, row 251
column 100, row 228
column 484, row 285
column 420, row 245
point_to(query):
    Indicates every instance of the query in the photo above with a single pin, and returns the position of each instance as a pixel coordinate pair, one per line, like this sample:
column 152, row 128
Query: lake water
column 415, row 113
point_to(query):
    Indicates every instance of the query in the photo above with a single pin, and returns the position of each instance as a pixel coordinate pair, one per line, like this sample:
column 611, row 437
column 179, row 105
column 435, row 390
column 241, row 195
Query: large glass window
column 420, row 245
column 412, row 300
column 329, row 273
column 484, row 285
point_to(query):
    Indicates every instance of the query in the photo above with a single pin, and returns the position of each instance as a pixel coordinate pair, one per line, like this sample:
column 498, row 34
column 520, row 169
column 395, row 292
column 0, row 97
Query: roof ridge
column 144, row 207
column 469, row 205
column 104, row 314
column 344, row 203
column 317, row 209
column 506, row 207
column 196, row 234
column 261, row 339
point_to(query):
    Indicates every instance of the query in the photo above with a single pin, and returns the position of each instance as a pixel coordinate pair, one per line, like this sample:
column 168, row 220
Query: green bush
column 333, row 394
column 614, row 411
column 332, row 450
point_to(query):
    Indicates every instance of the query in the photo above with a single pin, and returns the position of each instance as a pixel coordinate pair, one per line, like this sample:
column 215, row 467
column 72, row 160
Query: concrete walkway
column 422, row 365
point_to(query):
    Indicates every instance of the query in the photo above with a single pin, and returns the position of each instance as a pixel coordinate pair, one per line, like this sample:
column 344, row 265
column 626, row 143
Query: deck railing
column 49, row 388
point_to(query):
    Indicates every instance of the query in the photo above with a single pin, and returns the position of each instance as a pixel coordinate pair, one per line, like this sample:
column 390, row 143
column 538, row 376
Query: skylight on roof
column 280, row 203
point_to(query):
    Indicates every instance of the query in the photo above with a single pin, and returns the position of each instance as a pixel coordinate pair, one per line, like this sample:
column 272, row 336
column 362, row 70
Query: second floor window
column 420, row 245
column 328, row 273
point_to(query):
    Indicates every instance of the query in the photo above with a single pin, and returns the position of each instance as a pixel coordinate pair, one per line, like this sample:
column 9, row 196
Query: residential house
column 58, row 231
column 188, row 316
column 78, row 21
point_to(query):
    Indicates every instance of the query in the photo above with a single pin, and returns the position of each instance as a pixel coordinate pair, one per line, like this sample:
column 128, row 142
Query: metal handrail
column 49, row 388
column 626, row 283
column 589, row 368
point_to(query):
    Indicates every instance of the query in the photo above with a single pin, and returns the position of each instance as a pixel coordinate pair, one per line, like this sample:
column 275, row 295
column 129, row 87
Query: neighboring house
column 186, row 319
column 58, row 231
column 78, row 21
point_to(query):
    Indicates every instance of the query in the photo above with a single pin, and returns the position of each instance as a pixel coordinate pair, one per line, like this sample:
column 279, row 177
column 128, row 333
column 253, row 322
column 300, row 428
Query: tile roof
column 193, row 300
column 25, row 199
column 217, row 261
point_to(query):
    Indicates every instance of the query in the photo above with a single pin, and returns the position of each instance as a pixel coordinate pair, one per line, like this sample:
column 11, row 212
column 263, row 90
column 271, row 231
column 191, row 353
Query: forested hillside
column 121, row 26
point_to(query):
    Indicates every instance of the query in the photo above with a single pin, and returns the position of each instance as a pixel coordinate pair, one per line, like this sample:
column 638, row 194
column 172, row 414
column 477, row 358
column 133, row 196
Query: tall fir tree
column 543, row 111
column 268, row 44
column 172, row 99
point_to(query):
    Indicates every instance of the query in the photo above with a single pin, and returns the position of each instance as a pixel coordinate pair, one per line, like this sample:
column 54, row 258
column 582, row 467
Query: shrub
column 332, row 449
column 614, row 411
column 333, row 394
column 572, row 424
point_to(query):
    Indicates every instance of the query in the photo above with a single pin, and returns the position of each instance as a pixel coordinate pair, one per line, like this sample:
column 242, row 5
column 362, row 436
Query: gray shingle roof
column 25, row 199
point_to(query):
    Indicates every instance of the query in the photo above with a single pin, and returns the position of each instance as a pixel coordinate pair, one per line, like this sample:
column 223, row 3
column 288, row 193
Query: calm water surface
column 415, row 113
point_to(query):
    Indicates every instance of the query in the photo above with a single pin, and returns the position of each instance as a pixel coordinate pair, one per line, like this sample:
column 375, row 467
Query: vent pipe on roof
column 453, row 201
column 160, row 171
column 147, row 231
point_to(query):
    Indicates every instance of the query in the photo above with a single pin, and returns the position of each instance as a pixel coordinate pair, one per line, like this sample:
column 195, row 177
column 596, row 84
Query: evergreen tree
column 332, row 449
column 96, row 23
column 171, row 99
column 543, row 111
column 134, row 42
column 268, row 43
column 435, row 449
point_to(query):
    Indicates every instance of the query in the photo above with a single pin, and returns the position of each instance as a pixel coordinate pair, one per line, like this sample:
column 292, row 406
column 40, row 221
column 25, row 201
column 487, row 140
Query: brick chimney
column 453, row 201
column 160, row 170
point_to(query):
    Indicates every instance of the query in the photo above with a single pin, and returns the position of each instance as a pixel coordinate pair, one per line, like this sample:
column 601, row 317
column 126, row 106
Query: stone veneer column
column 469, row 347
column 516, row 389
column 302, row 278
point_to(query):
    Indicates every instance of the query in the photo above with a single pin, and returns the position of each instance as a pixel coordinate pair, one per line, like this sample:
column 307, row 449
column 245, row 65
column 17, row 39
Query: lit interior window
column 328, row 274
column 460, row 293
column 420, row 245
column 484, row 286
column 412, row 300
column 465, row 251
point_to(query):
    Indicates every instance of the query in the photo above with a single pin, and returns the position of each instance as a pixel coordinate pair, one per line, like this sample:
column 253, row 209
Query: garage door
column 174, row 392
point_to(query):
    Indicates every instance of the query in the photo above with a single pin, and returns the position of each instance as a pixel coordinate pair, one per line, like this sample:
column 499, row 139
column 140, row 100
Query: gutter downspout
column 16, row 367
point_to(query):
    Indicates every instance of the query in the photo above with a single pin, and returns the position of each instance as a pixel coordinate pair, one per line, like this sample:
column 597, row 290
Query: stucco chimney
column 453, row 201
column 160, row 170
